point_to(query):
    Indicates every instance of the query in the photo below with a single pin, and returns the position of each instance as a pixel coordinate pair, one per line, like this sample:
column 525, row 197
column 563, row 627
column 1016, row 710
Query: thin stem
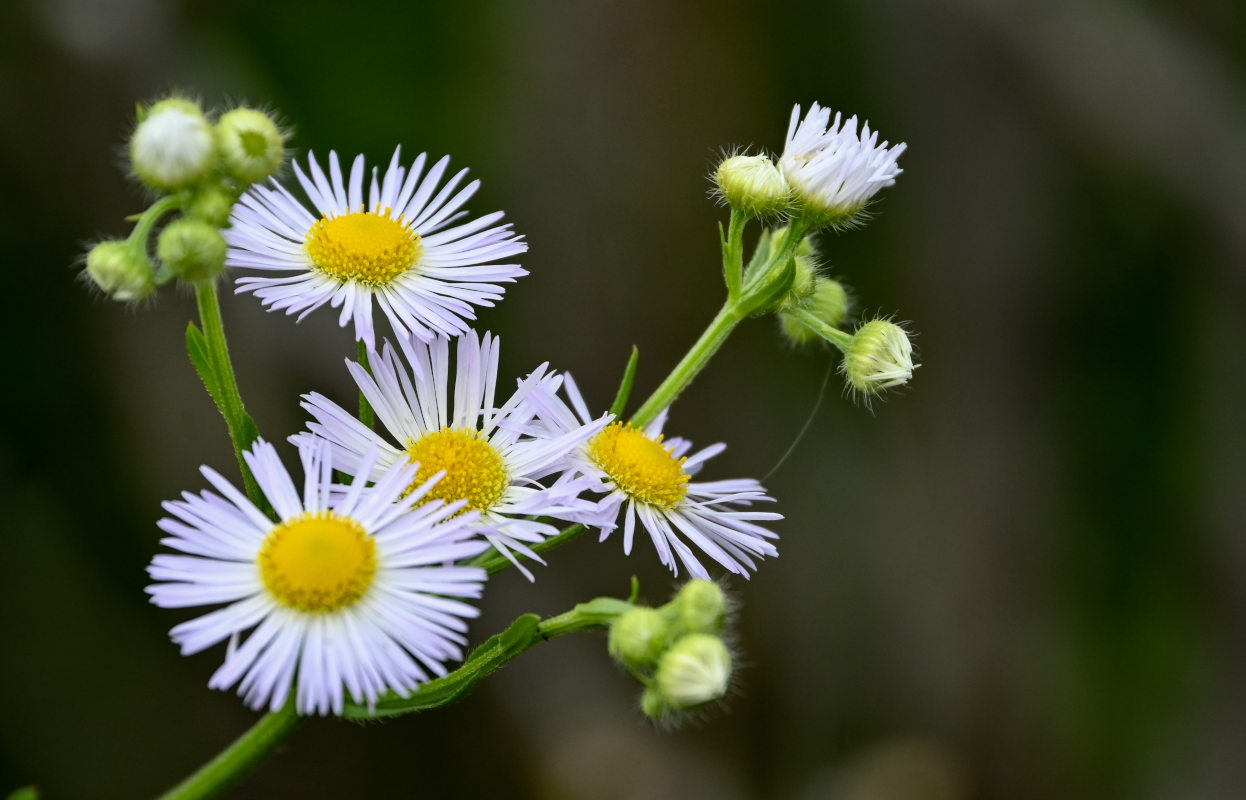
column 733, row 254
column 835, row 336
column 365, row 408
column 148, row 219
column 247, row 751
column 242, row 430
column 687, row 369
column 494, row 562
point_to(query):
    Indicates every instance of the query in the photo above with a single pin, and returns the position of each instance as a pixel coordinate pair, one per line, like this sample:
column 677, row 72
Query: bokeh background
column 1023, row 578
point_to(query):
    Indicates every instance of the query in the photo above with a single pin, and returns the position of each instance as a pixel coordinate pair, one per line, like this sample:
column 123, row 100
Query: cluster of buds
column 677, row 650
column 828, row 173
column 199, row 167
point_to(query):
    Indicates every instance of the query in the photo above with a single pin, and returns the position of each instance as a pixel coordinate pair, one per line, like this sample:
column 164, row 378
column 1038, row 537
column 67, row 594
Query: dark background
column 1023, row 578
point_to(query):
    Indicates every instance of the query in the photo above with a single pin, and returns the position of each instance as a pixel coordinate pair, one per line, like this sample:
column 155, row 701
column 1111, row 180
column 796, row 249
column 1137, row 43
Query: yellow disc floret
column 362, row 246
column 318, row 562
column 643, row 467
column 474, row 469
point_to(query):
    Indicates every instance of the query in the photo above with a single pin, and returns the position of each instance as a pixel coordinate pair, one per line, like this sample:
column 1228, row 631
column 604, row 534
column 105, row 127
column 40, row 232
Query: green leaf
column 25, row 793
column 625, row 388
column 248, row 431
column 197, row 349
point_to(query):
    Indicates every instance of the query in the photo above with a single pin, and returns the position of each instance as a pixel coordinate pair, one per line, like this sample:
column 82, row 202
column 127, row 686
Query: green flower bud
column 122, row 270
column 638, row 637
column 879, row 357
column 252, row 146
column 653, row 704
column 694, row 671
column 702, row 606
column 829, row 302
column 192, row 249
column 172, row 146
column 213, row 204
column 752, row 185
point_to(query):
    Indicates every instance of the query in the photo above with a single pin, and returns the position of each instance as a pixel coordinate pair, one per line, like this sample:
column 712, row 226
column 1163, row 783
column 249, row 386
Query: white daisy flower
column 650, row 480
column 401, row 249
column 834, row 172
column 351, row 592
column 489, row 459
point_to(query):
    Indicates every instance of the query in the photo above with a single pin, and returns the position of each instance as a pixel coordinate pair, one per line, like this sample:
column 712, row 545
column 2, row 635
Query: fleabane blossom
column 649, row 480
column 405, row 247
column 832, row 169
column 491, row 461
column 351, row 592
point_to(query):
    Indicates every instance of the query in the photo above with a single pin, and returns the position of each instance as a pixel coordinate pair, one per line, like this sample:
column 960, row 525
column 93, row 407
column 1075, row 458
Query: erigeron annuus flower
column 650, row 480
column 832, row 170
column 489, row 460
column 403, row 247
column 349, row 593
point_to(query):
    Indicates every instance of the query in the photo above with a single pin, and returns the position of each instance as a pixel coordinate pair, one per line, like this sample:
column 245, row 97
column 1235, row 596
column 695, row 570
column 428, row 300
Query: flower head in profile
column 405, row 247
column 491, row 462
column 649, row 480
column 832, row 169
column 879, row 357
column 349, row 593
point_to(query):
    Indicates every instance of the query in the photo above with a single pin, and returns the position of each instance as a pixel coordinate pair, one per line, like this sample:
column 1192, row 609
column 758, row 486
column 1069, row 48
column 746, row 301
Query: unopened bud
column 211, row 203
column 829, row 302
column 172, row 146
column 638, row 637
column 752, row 185
column 252, row 146
column 192, row 249
column 702, row 606
column 879, row 357
column 694, row 671
column 122, row 270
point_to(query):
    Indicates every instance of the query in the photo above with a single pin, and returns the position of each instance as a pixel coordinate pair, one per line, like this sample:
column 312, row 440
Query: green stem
column 835, row 336
column 494, row 562
column 242, row 430
column 365, row 408
column 733, row 254
column 148, row 219
column 687, row 369
column 247, row 751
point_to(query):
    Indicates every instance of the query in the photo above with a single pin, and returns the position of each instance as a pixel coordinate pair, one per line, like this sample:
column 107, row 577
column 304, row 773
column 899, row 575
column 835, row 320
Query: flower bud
column 252, row 146
column 192, row 249
column 122, row 270
column 211, row 203
column 829, row 302
column 653, row 704
column 694, row 671
column 879, row 357
column 638, row 637
column 172, row 146
column 752, row 185
column 702, row 606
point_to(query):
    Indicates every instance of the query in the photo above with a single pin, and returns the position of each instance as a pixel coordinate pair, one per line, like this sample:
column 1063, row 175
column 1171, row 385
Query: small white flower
column 832, row 170
column 400, row 248
column 650, row 481
column 350, row 593
column 173, row 146
column 489, row 459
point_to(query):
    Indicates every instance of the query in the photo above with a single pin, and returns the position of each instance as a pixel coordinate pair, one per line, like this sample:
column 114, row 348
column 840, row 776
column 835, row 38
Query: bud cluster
column 829, row 172
column 201, row 167
column 676, row 650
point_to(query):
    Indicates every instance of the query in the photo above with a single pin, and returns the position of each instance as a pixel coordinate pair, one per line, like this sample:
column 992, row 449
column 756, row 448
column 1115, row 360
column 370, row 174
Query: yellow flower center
column 368, row 248
column 641, row 466
column 474, row 469
column 318, row 562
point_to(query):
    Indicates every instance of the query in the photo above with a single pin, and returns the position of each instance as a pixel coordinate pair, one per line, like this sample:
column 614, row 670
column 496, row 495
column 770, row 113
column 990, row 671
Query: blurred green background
column 1024, row 578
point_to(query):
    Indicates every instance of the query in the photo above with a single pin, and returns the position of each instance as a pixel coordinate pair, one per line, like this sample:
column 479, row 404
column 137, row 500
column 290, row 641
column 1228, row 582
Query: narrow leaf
column 197, row 349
